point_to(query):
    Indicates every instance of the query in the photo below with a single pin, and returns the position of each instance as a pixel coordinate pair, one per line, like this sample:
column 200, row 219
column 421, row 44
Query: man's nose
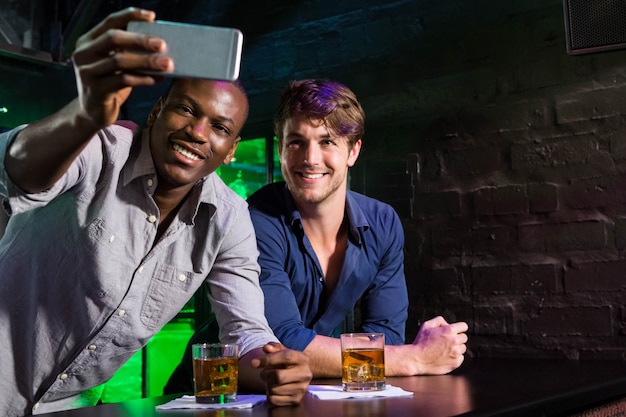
column 312, row 154
column 197, row 130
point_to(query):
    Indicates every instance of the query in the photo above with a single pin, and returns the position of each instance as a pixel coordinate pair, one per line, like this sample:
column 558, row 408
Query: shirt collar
column 356, row 218
column 140, row 164
column 140, row 161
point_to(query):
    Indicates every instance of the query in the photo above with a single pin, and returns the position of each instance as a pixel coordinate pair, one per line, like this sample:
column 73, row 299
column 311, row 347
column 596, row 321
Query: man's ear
column 154, row 113
column 231, row 152
column 354, row 153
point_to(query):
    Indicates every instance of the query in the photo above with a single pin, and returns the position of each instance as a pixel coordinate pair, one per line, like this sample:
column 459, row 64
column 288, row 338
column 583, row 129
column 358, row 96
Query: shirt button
column 140, row 270
column 112, row 238
column 121, row 313
column 63, row 377
column 36, row 406
column 92, row 347
column 182, row 277
column 150, row 182
column 152, row 218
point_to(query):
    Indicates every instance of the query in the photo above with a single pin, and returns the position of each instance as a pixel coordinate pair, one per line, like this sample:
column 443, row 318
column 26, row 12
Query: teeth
column 312, row 176
column 185, row 152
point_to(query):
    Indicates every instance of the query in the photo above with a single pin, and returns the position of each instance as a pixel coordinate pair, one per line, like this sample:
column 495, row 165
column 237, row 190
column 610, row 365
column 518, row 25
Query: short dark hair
column 237, row 83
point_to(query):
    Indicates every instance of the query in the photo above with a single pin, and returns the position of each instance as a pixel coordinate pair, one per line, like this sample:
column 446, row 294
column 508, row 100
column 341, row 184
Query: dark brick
column 596, row 276
column 483, row 201
column 620, row 233
column 618, row 144
column 470, row 162
column 488, row 240
column 519, row 115
column 492, row 279
column 404, row 208
column 443, row 203
column 542, row 198
column 603, row 353
column 494, row 240
column 592, row 104
column 536, row 278
column 596, row 192
column 515, row 278
column 451, row 242
column 390, row 192
column 552, row 153
column 444, row 281
column 510, row 200
column 574, row 320
column 563, row 237
column 387, row 172
column 493, row 320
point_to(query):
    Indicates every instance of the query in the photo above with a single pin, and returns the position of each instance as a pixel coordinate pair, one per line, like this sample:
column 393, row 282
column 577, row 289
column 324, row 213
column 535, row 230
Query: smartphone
column 198, row 51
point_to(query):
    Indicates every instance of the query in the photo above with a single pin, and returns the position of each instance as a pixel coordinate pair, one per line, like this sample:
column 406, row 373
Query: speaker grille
column 595, row 25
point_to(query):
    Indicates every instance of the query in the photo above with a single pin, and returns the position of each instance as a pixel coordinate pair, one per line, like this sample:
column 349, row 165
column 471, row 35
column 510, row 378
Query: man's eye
column 185, row 109
column 221, row 128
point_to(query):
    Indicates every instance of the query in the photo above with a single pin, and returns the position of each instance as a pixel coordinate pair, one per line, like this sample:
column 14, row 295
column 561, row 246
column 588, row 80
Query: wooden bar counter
column 480, row 387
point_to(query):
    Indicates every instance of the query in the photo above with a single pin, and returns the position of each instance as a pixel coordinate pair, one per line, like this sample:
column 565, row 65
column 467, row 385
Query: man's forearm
column 44, row 150
column 324, row 357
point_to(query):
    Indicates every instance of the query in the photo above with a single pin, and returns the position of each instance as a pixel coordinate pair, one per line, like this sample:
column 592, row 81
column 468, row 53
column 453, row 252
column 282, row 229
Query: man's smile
column 311, row 176
column 186, row 152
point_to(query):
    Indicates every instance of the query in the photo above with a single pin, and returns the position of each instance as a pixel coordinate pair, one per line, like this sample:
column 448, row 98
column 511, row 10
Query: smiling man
column 323, row 248
column 113, row 229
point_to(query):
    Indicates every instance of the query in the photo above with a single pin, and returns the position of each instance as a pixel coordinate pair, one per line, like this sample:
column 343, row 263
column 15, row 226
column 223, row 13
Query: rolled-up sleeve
column 384, row 306
column 6, row 185
column 234, row 291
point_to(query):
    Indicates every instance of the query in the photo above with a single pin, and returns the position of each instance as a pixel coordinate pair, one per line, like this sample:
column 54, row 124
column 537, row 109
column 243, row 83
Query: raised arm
column 106, row 61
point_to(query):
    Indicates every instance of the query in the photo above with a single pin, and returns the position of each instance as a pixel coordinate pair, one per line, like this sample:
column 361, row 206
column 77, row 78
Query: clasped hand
column 440, row 346
column 108, row 61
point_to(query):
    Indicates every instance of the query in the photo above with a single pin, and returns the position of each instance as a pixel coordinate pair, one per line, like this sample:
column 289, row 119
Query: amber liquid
column 215, row 380
column 363, row 369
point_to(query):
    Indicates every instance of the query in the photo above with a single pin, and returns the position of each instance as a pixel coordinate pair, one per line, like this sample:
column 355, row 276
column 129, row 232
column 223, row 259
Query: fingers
column 109, row 61
column 459, row 327
column 286, row 374
column 287, row 394
column 119, row 20
column 272, row 347
column 434, row 322
column 122, row 69
column 115, row 49
column 279, row 357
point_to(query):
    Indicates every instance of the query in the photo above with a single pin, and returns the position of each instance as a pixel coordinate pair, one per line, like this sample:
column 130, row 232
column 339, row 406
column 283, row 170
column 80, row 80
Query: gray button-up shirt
column 83, row 285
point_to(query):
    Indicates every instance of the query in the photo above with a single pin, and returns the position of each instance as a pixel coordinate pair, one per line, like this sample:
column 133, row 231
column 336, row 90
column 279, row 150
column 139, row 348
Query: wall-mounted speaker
column 594, row 25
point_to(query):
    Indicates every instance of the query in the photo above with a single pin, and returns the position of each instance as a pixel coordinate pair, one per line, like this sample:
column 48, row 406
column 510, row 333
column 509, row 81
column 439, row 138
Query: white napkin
column 335, row 392
column 189, row 401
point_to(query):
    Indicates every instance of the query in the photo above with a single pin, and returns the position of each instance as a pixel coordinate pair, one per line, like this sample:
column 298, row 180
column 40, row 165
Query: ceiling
column 47, row 30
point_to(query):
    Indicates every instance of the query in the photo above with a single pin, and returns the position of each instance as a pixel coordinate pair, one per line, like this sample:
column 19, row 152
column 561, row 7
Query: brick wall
column 503, row 155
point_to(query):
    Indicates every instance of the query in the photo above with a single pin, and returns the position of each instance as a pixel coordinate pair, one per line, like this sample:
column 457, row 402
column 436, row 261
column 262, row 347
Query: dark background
column 504, row 155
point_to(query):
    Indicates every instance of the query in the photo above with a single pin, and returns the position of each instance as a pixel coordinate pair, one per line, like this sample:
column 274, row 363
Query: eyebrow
column 293, row 134
column 220, row 118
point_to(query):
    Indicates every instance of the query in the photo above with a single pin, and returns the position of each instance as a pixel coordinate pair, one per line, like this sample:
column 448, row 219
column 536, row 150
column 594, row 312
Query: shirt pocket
column 170, row 288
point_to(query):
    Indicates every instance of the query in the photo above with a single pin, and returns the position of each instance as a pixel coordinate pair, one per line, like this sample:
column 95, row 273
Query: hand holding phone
column 198, row 51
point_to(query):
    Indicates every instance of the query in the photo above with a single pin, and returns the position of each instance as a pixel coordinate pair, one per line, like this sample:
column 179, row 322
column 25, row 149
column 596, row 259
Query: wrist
column 400, row 360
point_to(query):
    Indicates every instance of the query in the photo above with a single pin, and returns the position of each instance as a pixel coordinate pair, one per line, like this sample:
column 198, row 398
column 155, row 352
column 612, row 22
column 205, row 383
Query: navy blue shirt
column 293, row 283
